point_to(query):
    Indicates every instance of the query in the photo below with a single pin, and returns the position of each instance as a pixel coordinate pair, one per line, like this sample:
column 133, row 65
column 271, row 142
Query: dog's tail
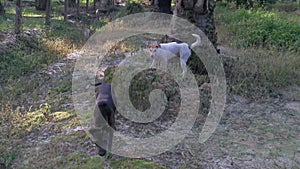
column 198, row 41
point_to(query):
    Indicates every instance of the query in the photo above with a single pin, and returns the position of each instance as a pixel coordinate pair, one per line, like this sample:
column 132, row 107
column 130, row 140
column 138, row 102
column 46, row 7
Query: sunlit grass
column 32, row 12
column 49, row 46
column 61, row 46
column 31, row 19
column 10, row 10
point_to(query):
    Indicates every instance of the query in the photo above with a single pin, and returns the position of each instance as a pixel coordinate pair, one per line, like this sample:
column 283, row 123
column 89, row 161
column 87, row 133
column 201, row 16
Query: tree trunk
column 165, row 6
column 199, row 12
column 202, row 14
column 40, row 5
column 48, row 14
column 66, row 11
column 154, row 2
column 2, row 11
column 18, row 17
column 87, row 6
column 78, row 7
column 103, row 5
column 72, row 3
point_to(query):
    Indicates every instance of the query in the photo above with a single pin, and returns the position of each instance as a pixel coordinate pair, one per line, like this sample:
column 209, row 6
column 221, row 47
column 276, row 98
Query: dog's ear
column 153, row 46
column 164, row 39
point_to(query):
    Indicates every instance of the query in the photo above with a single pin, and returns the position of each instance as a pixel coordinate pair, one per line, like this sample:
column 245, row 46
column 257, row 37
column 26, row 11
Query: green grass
column 267, row 47
column 80, row 160
column 29, row 53
column 6, row 158
column 31, row 19
column 256, row 28
column 286, row 6
column 32, row 55
column 135, row 164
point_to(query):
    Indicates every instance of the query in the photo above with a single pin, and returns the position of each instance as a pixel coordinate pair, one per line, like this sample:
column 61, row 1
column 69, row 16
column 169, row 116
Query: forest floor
column 252, row 133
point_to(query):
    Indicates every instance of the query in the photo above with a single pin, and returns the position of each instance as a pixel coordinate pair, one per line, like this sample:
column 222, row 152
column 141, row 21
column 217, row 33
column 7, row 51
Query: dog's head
column 152, row 48
column 168, row 39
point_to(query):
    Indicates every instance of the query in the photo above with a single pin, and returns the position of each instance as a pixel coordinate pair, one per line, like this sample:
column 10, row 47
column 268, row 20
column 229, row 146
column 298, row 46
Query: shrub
column 269, row 56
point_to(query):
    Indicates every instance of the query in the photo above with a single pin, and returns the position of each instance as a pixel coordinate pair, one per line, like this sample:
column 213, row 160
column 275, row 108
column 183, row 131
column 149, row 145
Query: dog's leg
column 111, row 122
column 183, row 66
column 165, row 60
column 154, row 62
column 98, row 122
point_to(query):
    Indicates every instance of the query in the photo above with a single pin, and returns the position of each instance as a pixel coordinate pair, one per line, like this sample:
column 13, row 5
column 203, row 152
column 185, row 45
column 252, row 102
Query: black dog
column 105, row 109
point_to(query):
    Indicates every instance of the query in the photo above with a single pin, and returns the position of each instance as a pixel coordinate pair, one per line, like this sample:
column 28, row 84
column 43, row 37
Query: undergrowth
column 31, row 54
column 266, row 48
column 259, row 72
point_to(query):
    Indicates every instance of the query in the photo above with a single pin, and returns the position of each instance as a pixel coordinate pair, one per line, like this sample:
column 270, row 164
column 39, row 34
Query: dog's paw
column 152, row 67
column 182, row 75
column 101, row 152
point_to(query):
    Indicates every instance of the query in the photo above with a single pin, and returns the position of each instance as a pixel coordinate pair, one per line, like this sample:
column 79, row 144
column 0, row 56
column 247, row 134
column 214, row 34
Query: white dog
column 166, row 51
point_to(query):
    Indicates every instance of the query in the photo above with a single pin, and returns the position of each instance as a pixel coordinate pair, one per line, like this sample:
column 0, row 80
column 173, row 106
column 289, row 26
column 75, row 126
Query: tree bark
column 2, row 11
column 48, row 14
column 104, row 5
column 200, row 12
column 72, row 3
column 40, row 5
column 18, row 17
column 165, row 6
column 66, row 11
column 78, row 7
column 87, row 6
